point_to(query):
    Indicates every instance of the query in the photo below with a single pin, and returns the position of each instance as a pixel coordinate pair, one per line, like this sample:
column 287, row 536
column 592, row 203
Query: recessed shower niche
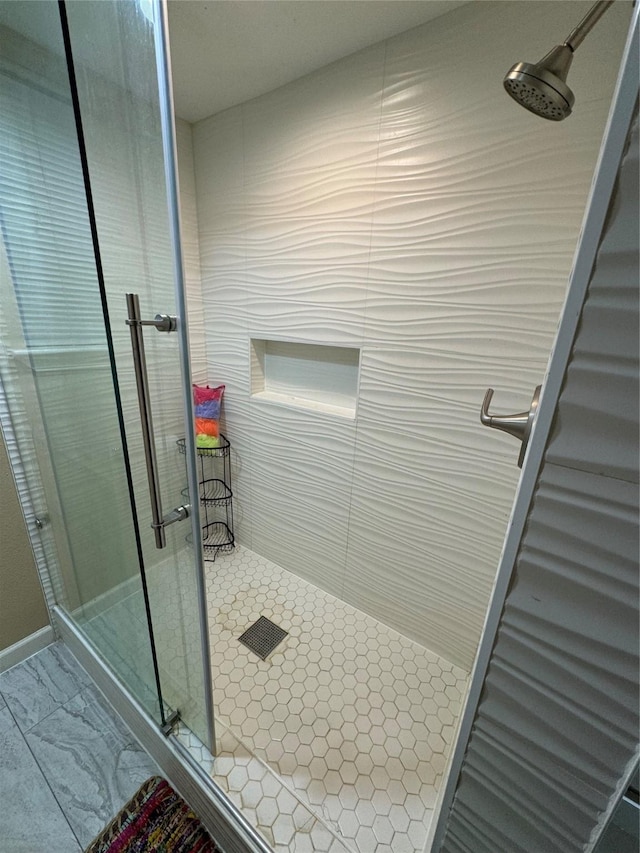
column 319, row 377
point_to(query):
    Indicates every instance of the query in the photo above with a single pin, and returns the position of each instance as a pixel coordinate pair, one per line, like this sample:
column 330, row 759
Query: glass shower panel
column 114, row 54
column 55, row 362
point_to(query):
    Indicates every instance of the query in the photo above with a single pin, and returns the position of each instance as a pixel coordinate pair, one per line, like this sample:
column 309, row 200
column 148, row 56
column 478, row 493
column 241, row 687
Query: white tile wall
column 557, row 728
column 191, row 251
column 398, row 200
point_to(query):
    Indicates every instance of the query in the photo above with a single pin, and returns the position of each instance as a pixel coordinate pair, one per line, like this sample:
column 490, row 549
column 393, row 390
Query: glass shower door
column 56, row 360
column 84, row 210
column 115, row 49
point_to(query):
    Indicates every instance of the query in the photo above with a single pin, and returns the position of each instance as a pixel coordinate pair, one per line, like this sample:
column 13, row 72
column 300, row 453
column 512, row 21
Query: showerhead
column 541, row 87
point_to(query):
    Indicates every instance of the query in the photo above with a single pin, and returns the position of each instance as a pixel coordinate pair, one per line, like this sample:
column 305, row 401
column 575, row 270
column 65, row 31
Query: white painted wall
column 397, row 200
column 22, row 607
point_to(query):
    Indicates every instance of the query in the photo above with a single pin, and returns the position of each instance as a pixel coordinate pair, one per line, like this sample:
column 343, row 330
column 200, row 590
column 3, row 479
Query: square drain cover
column 263, row 636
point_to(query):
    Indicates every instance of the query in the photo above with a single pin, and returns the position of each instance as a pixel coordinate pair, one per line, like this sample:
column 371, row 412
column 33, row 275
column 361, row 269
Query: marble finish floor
column 67, row 762
column 339, row 740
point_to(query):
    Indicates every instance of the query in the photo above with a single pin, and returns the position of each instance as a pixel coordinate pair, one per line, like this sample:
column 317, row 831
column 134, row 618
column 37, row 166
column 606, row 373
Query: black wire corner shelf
column 216, row 496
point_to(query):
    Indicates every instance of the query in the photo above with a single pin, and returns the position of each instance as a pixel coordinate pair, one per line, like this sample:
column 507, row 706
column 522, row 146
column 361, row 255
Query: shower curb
column 223, row 820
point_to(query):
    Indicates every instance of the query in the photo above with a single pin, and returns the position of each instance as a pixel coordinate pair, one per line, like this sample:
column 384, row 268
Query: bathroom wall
column 191, row 250
column 22, row 607
column 556, row 729
column 399, row 202
column 53, row 352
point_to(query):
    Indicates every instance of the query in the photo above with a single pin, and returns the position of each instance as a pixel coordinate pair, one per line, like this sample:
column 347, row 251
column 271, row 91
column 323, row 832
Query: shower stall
column 357, row 265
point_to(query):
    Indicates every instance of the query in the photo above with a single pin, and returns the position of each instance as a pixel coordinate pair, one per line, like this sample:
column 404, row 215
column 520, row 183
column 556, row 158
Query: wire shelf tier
column 215, row 492
column 217, row 536
column 222, row 450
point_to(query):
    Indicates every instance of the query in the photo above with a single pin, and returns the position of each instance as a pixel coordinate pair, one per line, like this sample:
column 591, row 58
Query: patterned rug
column 155, row 820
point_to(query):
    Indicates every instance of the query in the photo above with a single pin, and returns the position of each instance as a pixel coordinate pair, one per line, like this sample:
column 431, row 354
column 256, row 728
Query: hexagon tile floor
column 338, row 741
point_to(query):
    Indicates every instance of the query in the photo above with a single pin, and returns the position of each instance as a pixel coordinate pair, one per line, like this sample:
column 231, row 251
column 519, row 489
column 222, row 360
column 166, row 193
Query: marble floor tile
column 37, row 686
column 31, row 820
column 3, row 704
column 91, row 761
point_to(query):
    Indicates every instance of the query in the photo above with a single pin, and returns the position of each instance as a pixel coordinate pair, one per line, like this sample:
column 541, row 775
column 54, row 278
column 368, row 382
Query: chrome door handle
column 519, row 425
column 163, row 323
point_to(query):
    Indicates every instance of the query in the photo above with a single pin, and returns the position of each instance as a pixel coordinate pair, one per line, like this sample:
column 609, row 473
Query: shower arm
column 579, row 33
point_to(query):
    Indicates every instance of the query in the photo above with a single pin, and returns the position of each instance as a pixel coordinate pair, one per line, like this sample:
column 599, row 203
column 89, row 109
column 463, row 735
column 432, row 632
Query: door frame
column 170, row 149
column 614, row 139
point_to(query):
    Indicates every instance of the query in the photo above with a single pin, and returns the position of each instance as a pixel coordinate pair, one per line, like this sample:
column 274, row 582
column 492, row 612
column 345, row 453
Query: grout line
column 224, row 635
column 44, row 775
column 291, row 790
column 363, row 347
column 393, row 633
column 60, row 704
column 346, row 842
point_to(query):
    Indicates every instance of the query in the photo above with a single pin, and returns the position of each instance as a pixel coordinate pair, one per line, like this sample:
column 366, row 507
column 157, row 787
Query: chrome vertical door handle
column 163, row 323
column 519, row 425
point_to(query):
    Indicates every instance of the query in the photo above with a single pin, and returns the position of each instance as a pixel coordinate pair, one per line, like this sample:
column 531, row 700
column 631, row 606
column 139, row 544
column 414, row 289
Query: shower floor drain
column 262, row 637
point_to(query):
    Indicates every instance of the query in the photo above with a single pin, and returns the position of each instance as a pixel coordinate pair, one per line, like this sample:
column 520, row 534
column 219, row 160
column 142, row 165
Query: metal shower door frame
column 624, row 100
column 165, row 93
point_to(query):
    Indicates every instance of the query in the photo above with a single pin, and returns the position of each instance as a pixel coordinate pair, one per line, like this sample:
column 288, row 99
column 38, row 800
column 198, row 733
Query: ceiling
column 224, row 52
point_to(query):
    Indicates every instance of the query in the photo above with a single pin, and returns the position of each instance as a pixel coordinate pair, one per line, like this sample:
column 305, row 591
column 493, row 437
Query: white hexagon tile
column 338, row 741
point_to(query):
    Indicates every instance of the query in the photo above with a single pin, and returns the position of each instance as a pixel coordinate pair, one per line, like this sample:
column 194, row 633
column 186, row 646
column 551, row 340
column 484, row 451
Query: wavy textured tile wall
column 557, row 725
column 397, row 200
column 51, row 277
column 191, row 251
